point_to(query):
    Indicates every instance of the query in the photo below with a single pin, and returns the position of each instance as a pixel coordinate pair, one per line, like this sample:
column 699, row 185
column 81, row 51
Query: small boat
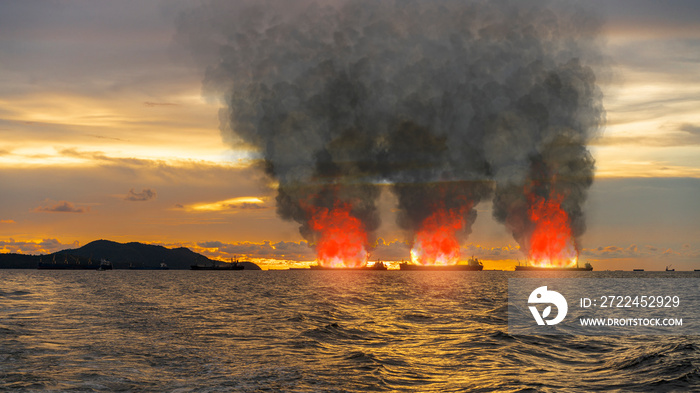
column 105, row 265
column 472, row 265
column 637, row 270
column 670, row 270
column 586, row 268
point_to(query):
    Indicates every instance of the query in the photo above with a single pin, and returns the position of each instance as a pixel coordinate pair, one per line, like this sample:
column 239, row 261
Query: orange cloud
column 43, row 246
column 228, row 204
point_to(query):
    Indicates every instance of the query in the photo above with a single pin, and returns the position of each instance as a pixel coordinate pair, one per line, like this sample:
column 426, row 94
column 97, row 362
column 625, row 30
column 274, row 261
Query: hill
column 122, row 256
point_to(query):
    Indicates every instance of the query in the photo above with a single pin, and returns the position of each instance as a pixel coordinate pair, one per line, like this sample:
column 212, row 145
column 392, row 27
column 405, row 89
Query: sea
column 308, row 331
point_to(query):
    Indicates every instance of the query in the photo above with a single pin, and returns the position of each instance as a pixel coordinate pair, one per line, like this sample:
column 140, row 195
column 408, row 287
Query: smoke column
column 442, row 99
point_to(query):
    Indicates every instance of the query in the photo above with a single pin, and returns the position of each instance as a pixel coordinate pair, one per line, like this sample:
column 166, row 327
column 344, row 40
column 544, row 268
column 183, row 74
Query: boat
column 670, row 270
column 586, row 268
column 376, row 266
column 472, row 265
column 233, row 265
column 105, row 265
column 637, row 270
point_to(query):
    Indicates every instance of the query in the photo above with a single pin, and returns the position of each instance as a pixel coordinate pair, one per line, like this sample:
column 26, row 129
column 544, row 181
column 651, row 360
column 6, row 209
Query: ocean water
column 307, row 331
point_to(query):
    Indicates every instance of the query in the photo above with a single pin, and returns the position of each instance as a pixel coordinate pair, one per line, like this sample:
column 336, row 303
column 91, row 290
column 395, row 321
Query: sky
column 106, row 133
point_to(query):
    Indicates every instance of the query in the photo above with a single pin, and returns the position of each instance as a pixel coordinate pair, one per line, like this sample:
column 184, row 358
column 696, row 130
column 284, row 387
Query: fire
column 436, row 242
column 342, row 238
column 551, row 243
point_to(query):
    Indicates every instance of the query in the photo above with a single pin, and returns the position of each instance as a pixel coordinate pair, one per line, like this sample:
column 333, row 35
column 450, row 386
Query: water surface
column 306, row 331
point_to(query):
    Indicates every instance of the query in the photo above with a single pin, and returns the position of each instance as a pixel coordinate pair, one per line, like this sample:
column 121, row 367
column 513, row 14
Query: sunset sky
column 106, row 134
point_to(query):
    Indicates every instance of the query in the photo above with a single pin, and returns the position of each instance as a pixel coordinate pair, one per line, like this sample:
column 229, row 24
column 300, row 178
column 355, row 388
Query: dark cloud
column 62, row 207
column 435, row 97
column 248, row 206
column 146, row 194
column 214, row 244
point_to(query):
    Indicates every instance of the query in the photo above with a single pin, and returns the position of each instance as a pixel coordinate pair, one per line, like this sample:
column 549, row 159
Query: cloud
column 7, row 222
column 684, row 134
column 240, row 203
column 634, row 251
column 214, row 244
column 107, row 137
column 152, row 104
column 168, row 168
column 692, row 130
column 301, row 251
column 146, row 194
column 62, row 207
column 293, row 251
column 44, row 246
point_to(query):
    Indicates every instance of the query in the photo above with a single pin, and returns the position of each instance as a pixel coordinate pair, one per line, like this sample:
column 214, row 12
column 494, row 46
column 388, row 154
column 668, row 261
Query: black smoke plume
column 450, row 101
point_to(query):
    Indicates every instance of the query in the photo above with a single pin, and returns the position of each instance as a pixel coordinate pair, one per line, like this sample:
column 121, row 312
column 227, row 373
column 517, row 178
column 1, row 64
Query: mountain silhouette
column 122, row 255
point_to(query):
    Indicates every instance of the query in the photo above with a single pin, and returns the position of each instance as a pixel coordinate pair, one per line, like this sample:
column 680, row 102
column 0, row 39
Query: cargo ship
column 586, row 268
column 472, row 265
column 375, row 266
column 234, row 265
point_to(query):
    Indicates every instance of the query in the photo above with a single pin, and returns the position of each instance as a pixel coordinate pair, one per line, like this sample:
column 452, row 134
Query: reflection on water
column 305, row 331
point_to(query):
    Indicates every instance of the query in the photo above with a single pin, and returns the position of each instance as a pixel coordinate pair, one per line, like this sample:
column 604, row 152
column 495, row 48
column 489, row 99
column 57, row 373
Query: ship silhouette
column 472, row 265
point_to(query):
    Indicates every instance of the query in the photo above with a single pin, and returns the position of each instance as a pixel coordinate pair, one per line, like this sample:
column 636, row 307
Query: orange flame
column 436, row 242
column 551, row 242
column 342, row 237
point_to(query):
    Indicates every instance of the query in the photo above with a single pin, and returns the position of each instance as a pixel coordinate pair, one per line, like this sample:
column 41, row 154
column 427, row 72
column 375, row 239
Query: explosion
column 436, row 242
column 551, row 243
column 342, row 237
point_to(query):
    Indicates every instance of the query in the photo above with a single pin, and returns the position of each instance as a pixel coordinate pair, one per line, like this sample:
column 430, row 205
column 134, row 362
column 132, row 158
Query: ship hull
column 554, row 269
column 316, row 267
column 438, row 268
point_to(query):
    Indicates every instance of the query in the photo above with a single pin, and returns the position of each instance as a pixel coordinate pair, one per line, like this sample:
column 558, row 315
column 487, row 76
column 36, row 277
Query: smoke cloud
column 451, row 102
